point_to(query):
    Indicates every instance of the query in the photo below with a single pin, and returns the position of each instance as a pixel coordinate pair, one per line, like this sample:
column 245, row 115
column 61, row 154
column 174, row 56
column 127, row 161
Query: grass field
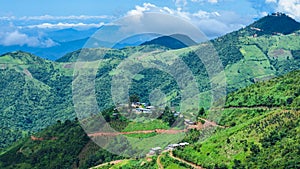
column 147, row 125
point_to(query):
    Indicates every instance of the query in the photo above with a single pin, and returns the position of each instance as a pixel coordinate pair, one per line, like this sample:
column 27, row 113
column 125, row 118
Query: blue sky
column 20, row 18
column 112, row 7
column 75, row 7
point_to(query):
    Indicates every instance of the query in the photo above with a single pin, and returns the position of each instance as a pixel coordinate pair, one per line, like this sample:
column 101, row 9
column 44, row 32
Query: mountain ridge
column 175, row 41
column 275, row 23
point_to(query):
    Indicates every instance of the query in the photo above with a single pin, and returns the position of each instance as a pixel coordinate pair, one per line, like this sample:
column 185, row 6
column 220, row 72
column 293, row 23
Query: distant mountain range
column 68, row 40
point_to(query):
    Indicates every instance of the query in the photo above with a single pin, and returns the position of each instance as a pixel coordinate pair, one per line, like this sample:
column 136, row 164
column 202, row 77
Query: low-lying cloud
column 63, row 25
column 55, row 18
column 17, row 38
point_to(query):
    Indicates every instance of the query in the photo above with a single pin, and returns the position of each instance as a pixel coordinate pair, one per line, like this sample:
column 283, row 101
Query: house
column 135, row 104
column 184, row 144
column 142, row 110
column 171, row 147
column 155, row 150
column 189, row 122
column 278, row 14
column 256, row 29
column 150, row 107
column 176, row 114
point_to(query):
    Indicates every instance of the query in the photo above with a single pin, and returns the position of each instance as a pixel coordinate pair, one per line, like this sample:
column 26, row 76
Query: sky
column 24, row 22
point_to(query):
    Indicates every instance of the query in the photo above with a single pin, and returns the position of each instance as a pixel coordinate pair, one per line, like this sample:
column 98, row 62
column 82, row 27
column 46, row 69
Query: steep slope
column 257, row 136
column 35, row 93
column 282, row 91
column 63, row 145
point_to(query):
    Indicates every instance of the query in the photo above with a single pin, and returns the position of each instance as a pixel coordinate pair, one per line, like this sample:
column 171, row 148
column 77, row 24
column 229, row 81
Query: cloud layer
column 212, row 24
column 50, row 17
column 213, row 20
column 63, row 25
column 21, row 39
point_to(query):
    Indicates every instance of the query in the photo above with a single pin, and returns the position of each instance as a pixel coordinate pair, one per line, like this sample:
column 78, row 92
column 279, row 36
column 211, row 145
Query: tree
column 168, row 116
column 201, row 112
column 237, row 164
column 134, row 98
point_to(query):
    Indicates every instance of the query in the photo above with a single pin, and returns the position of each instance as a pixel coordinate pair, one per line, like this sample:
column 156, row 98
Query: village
column 170, row 147
column 144, row 108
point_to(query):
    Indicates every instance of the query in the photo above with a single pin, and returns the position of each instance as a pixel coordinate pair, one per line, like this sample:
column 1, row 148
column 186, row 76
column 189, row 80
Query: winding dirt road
column 160, row 166
column 181, row 160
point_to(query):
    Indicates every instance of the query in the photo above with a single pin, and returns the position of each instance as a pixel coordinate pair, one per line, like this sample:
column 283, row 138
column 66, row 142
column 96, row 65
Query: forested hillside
column 63, row 145
column 263, row 121
column 254, row 136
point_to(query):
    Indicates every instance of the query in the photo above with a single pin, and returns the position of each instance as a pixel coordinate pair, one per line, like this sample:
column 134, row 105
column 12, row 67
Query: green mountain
column 38, row 92
column 277, row 23
column 176, row 41
column 35, row 94
column 255, row 137
column 263, row 122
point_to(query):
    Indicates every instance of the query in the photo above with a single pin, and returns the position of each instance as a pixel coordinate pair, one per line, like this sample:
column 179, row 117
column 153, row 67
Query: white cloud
column 50, row 17
column 215, row 24
column 203, row 14
column 209, row 1
column 213, row 1
column 48, row 43
column 7, row 18
column 271, row 1
column 139, row 10
column 168, row 10
column 291, row 7
column 212, row 24
column 62, row 25
column 17, row 38
column 21, row 39
column 262, row 14
column 180, row 3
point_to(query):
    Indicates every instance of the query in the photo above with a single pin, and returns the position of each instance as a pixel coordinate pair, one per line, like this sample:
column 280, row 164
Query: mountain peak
column 20, row 57
column 175, row 41
column 275, row 23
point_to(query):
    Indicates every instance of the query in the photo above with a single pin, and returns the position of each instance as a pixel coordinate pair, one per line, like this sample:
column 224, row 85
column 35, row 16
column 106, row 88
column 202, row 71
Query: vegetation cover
column 262, row 119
